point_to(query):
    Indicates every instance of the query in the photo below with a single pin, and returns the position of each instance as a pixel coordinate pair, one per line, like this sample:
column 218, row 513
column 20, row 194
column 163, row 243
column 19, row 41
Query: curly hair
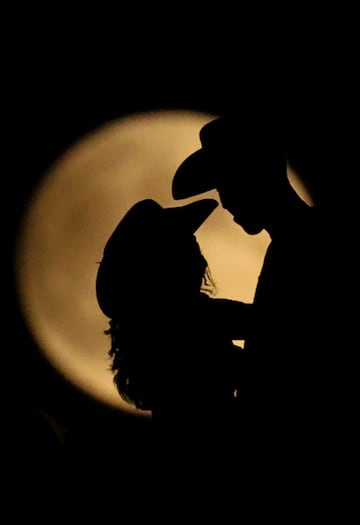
column 130, row 376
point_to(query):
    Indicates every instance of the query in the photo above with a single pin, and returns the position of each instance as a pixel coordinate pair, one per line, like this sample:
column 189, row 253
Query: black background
column 67, row 73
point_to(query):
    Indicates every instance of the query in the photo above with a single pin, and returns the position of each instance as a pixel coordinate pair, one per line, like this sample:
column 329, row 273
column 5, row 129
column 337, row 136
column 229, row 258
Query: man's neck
column 287, row 217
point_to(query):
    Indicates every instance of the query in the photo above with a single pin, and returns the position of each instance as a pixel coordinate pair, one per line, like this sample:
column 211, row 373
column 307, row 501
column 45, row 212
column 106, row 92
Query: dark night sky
column 53, row 103
column 60, row 83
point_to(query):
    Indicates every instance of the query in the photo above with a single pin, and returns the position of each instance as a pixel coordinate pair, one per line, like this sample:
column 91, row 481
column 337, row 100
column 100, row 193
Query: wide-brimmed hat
column 230, row 147
column 146, row 228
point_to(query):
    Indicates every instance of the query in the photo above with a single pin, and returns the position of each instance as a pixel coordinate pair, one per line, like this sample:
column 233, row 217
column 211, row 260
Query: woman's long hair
column 136, row 351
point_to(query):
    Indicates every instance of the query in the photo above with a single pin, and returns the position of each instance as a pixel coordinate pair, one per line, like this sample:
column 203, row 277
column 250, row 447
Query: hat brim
column 189, row 218
column 193, row 176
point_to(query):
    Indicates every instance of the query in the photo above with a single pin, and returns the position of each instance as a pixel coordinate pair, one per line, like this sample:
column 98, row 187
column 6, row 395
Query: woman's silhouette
column 171, row 351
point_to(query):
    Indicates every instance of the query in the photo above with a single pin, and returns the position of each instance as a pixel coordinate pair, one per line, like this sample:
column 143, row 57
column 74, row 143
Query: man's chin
column 250, row 229
column 253, row 231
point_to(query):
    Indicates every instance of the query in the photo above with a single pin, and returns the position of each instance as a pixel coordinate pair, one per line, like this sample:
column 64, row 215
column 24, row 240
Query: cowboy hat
column 252, row 145
column 145, row 229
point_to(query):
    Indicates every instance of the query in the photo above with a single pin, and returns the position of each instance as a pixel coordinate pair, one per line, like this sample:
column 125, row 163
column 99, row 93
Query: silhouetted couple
column 170, row 354
column 172, row 349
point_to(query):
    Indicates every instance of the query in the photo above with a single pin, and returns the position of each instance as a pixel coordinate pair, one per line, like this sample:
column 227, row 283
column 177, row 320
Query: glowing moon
column 71, row 215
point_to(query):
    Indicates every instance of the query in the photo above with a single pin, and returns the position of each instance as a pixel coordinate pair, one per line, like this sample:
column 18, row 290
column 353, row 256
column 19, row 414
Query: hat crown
column 216, row 133
column 240, row 133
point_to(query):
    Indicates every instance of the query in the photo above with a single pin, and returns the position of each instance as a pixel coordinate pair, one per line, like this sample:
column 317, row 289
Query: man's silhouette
column 298, row 383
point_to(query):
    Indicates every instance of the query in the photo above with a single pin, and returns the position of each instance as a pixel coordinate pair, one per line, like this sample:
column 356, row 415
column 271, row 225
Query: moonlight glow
column 71, row 215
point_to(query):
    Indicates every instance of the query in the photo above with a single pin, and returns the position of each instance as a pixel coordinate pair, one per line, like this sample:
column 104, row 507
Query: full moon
column 73, row 211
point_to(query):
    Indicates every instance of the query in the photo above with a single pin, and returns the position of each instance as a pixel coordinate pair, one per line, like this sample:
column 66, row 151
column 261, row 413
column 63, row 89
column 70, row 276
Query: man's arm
column 232, row 318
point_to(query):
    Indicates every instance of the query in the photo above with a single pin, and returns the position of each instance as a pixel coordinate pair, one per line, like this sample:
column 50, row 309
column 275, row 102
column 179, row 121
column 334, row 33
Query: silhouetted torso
column 301, row 382
column 195, row 370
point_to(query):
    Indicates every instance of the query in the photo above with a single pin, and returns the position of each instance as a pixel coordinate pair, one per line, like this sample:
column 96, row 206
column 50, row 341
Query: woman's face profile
column 186, row 264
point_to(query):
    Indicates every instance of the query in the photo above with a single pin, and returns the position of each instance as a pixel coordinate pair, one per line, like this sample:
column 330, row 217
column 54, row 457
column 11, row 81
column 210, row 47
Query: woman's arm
column 234, row 319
